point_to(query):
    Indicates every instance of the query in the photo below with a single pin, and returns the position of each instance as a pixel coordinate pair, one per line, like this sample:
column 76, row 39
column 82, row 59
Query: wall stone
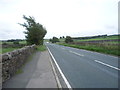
column 12, row 61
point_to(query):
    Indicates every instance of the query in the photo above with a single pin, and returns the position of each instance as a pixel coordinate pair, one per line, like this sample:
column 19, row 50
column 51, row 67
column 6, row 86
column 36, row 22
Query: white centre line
column 76, row 53
column 106, row 64
column 63, row 48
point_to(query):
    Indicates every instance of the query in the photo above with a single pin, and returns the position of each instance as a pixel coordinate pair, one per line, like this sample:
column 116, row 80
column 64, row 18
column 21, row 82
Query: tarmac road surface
column 86, row 69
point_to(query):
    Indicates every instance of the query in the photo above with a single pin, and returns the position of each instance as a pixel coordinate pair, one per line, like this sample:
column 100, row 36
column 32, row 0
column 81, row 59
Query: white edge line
column 56, row 77
column 106, row 64
column 66, row 81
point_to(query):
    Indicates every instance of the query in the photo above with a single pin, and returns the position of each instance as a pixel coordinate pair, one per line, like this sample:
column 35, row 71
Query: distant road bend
column 86, row 69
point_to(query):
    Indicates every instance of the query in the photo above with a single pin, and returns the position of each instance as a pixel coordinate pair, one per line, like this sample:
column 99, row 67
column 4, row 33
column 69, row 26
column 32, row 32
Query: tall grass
column 103, row 48
column 41, row 47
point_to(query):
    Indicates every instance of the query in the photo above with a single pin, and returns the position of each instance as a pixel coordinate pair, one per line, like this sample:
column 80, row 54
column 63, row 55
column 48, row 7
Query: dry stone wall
column 12, row 61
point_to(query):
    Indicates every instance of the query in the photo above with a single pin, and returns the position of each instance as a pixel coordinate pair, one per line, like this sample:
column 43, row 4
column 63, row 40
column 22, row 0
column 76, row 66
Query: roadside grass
column 113, row 50
column 41, row 48
column 20, row 70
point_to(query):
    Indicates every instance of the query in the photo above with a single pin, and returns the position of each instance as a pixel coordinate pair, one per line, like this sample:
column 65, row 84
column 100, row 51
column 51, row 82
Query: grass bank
column 41, row 48
column 114, row 50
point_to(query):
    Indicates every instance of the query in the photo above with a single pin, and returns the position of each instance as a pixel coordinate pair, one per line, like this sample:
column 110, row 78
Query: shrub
column 68, row 39
column 16, row 42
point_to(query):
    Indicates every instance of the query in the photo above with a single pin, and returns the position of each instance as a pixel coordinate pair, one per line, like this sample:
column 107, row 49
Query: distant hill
column 115, row 36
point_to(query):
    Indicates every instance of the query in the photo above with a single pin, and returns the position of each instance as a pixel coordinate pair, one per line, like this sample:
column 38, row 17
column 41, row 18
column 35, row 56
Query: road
column 86, row 69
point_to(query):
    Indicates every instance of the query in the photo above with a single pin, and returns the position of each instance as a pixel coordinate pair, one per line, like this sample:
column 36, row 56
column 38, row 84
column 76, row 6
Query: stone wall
column 12, row 61
column 0, row 68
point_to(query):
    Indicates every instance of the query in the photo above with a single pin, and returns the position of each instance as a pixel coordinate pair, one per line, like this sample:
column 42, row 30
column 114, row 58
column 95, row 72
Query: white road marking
column 64, row 78
column 106, row 64
column 63, row 48
column 76, row 53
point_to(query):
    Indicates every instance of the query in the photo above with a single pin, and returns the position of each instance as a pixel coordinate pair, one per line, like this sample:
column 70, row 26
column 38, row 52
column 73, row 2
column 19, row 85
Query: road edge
column 56, row 76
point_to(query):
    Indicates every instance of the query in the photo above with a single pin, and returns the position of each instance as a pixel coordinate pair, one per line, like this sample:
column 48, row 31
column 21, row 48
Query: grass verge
column 41, row 48
column 20, row 70
column 95, row 48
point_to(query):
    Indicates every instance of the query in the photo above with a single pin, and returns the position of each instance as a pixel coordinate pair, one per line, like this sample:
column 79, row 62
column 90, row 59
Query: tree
column 35, row 31
column 54, row 40
column 50, row 40
column 68, row 39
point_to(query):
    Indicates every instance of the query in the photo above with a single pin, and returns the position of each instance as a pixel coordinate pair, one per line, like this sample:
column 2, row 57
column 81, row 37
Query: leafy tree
column 54, row 40
column 50, row 40
column 16, row 42
column 35, row 31
column 68, row 39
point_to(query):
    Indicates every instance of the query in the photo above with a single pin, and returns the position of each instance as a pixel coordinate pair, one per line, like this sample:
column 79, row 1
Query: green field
column 111, row 47
column 4, row 50
column 23, row 42
column 20, row 42
column 0, row 42
column 99, row 38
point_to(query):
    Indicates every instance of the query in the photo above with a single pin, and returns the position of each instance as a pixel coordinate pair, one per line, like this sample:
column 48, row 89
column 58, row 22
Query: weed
column 41, row 48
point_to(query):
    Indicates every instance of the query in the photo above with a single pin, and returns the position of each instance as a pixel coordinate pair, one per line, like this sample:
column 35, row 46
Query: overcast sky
column 75, row 18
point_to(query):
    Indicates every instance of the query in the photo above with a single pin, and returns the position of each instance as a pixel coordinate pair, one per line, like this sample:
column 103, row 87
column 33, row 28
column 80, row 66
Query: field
column 99, row 38
column 107, row 45
column 20, row 42
column 4, row 50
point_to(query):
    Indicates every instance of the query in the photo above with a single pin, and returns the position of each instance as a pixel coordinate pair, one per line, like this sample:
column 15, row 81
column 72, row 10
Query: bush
column 4, row 43
column 54, row 40
column 68, row 39
column 16, row 42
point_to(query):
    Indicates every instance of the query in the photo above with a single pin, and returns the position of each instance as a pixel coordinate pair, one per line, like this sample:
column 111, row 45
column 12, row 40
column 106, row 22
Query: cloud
column 60, row 17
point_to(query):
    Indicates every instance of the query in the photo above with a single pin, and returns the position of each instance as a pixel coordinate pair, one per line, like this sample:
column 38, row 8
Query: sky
column 75, row 18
